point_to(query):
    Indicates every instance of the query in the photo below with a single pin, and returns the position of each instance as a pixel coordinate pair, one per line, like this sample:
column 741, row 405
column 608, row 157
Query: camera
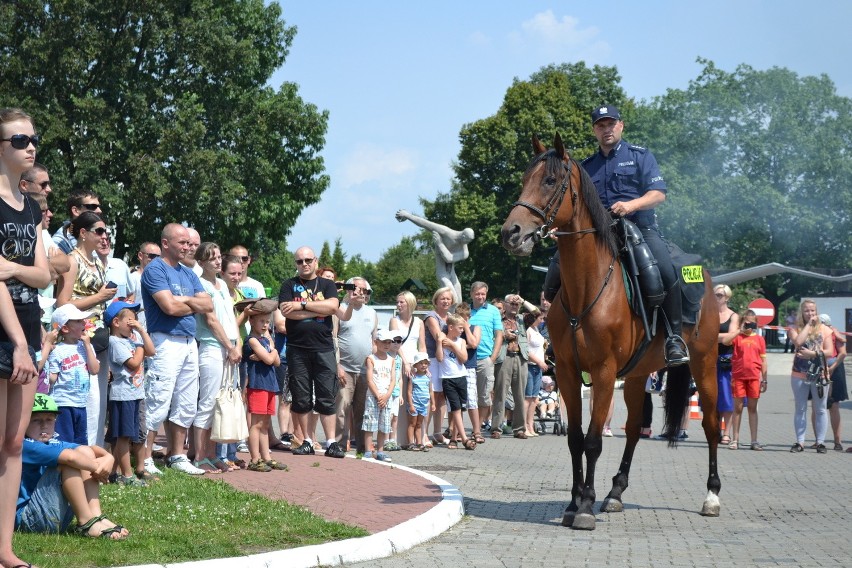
column 349, row 286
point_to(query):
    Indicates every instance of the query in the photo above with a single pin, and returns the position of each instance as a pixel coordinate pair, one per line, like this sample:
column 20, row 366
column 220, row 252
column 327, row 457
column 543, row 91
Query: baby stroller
column 549, row 408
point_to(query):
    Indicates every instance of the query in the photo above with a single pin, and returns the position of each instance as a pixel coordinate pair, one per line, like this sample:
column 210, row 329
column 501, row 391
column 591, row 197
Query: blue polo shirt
column 628, row 173
column 488, row 319
column 181, row 281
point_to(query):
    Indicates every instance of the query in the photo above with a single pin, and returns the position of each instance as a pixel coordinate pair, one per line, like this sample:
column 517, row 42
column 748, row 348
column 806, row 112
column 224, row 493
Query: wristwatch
column 304, row 305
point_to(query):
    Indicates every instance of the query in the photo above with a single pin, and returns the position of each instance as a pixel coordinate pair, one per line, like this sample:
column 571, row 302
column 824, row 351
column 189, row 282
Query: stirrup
column 676, row 342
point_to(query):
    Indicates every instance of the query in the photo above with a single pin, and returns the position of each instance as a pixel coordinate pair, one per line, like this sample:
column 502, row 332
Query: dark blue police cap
column 605, row 111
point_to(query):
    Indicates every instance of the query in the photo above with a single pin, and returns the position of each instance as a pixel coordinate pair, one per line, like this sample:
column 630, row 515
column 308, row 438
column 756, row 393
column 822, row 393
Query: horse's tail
column 678, row 382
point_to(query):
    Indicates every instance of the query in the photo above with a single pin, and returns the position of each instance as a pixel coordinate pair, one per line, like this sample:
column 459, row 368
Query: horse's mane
column 601, row 218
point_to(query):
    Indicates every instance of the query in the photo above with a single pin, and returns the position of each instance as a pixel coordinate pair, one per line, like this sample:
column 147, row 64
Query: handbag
column 229, row 412
column 724, row 362
column 6, row 364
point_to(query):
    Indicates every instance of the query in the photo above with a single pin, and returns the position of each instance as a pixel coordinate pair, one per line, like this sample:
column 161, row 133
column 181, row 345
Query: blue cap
column 115, row 307
column 605, row 111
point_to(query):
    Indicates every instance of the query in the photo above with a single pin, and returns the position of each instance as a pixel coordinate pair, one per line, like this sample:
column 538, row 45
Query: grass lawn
column 182, row 518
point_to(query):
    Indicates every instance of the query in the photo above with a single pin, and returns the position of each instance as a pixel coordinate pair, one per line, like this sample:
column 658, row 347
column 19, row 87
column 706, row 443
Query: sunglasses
column 248, row 258
column 22, row 141
column 90, row 206
column 41, row 184
column 397, row 340
column 720, row 295
column 151, row 255
column 301, row 261
column 99, row 231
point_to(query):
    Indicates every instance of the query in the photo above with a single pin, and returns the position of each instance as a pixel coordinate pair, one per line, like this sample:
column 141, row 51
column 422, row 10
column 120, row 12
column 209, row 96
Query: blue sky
column 400, row 79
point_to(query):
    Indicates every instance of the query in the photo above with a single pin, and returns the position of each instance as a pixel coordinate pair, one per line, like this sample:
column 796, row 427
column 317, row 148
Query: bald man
column 172, row 294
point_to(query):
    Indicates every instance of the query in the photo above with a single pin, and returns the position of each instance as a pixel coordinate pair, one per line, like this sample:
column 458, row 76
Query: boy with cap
column 60, row 480
column 72, row 359
column 382, row 374
column 129, row 344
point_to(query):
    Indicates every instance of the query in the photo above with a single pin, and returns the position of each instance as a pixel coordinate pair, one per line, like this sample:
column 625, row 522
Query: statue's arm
column 402, row 215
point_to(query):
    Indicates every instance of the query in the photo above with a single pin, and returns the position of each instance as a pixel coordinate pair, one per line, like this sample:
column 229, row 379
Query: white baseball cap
column 387, row 334
column 68, row 312
column 420, row 356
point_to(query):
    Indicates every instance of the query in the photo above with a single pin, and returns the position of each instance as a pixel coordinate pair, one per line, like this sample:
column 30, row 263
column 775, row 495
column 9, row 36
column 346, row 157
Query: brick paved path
column 778, row 508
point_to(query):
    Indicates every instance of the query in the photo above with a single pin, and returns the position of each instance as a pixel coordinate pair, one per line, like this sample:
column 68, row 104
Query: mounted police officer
column 630, row 185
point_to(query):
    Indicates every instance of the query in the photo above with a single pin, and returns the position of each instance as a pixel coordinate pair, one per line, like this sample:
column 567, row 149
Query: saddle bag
column 644, row 265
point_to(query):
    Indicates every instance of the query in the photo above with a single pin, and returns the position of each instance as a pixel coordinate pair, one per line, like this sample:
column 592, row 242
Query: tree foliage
column 496, row 150
column 758, row 169
column 162, row 108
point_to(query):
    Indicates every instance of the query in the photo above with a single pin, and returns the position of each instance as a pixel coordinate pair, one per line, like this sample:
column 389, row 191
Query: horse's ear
column 538, row 146
column 559, row 147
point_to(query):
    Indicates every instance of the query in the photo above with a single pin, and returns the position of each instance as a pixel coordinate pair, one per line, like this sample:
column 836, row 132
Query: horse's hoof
column 712, row 505
column 568, row 519
column 611, row 505
column 584, row 522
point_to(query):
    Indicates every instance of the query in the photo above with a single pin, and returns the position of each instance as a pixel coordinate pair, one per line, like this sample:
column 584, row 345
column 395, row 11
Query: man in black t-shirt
column 308, row 302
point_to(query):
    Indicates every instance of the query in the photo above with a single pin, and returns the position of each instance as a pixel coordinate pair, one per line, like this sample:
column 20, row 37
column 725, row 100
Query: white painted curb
column 381, row 545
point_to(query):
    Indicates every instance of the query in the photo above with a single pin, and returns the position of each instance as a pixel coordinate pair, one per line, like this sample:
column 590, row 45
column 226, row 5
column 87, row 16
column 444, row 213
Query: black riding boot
column 553, row 281
column 677, row 352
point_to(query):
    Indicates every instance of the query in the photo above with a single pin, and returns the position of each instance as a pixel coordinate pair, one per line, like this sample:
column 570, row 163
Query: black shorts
column 455, row 391
column 313, row 380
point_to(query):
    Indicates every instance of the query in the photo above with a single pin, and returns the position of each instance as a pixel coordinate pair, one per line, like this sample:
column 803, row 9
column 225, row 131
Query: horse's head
column 540, row 205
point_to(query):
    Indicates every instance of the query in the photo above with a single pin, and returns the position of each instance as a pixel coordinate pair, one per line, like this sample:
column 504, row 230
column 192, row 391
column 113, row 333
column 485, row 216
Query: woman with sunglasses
column 23, row 270
column 86, row 287
column 729, row 328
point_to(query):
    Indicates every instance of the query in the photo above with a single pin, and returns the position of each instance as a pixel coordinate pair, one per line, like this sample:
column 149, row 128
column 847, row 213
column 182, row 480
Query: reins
column 548, row 214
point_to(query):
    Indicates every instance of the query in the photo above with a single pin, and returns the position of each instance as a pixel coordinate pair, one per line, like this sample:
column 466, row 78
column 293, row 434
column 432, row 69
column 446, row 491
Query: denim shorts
column 533, row 381
column 48, row 511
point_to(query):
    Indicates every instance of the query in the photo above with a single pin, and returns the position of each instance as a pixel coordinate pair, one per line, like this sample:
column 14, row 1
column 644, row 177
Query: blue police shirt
column 628, row 173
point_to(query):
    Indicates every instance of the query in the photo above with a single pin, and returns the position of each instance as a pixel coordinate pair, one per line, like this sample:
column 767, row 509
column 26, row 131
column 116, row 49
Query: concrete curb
column 380, row 545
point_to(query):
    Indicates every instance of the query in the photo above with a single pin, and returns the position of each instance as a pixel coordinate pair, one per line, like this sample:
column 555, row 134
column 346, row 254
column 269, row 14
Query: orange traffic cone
column 694, row 409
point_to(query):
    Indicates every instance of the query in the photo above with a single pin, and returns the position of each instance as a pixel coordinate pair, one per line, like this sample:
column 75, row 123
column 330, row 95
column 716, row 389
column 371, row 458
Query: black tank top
column 725, row 328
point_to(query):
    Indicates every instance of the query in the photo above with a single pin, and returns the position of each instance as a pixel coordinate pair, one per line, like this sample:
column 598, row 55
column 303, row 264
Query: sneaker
column 607, row 432
column 367, row 455
column 182, row 464
column 486, row 426
column 306, row 449
column 334, row 451
column 683, row 435
column 287, row 440
column 507, row 430
column 151, row 468
column 382, row 457
column 130, row 481
column 157, row 448
column 242, row 448
column 391, row 446
column 276, row 465
column 260, row 466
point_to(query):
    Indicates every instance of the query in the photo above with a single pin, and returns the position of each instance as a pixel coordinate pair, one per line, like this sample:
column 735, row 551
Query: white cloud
column 368, row 162
column 479, row 39
column 563, row 39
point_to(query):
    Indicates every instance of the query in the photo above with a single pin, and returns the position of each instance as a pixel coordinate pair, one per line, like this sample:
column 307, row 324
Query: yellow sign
column 692, row 274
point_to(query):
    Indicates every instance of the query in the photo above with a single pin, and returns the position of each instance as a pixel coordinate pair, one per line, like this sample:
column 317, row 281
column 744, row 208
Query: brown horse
column 593, row 328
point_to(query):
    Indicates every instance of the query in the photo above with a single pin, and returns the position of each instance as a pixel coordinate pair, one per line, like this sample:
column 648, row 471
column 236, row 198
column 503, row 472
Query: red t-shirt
column 747, row 360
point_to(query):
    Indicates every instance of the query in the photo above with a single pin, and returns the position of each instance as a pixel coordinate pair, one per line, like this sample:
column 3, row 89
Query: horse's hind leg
column 634, row 396
column 705, row 379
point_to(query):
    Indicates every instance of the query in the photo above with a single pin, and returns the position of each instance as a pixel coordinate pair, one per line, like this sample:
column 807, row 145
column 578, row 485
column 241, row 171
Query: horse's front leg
column 584, row 519
column 575, row 445
column 634, row 397
column 704, row 371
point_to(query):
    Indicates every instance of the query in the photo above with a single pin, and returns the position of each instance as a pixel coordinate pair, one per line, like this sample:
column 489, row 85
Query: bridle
column 551, row 208
column 548, row 214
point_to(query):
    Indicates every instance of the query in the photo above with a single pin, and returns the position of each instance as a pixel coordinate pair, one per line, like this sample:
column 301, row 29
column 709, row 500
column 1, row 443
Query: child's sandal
column 452, row 445
column 470, row 444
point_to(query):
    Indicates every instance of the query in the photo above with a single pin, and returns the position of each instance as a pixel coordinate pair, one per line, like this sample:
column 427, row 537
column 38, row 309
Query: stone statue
column 450, row 248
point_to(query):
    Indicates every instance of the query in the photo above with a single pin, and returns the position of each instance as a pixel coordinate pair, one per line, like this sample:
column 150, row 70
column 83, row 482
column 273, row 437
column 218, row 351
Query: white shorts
column 393, row 405
column 471, row 389
column 435, row 375
column 171, row 382
column 211, row 359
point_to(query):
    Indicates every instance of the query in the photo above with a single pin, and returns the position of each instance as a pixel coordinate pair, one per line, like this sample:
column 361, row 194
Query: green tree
column 496, row 150
column 338, row 259
column 408, row 259
column 162, row 108
column 757, row 168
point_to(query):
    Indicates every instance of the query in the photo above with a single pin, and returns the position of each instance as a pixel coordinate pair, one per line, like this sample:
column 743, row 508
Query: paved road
column 778, row 508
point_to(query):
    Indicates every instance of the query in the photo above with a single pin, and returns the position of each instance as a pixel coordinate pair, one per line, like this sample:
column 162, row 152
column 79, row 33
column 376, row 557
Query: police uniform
column 628, row 173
